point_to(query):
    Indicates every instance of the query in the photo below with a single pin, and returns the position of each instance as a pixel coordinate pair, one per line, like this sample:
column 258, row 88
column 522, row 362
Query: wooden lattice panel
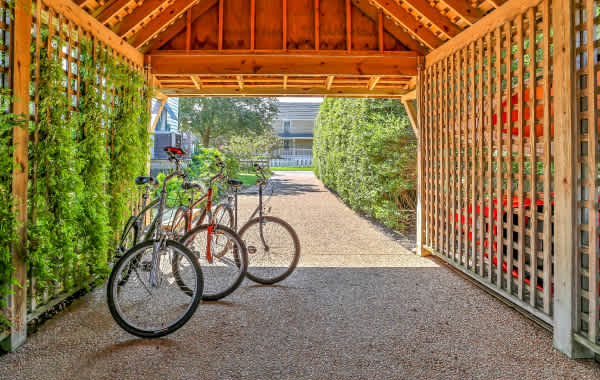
column 586, row 65
column 487, row 159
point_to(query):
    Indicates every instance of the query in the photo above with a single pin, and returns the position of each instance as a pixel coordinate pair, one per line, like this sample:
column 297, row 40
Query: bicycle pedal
column 251, row 249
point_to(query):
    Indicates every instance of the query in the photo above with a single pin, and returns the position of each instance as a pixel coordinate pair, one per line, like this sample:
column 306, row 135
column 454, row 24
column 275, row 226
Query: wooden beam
column 373, row 82
column 197, row 81
column 496, row 3
column 188, row 30
column 395, row 30
column 412, row 95
column 380, row 44
column 284, row 24
column 505, row 13
column 252, row 24
column 348, row 25
column 297, row 63
column 411, row 111
column 108, row 11
column 329, row 82
column 463, row 8
column 421, row 250
column 157, row 24
column 414, row 27
column 220, row 26
column 433, row 15
column 80, row 17
column 285, row 81
column 240, row 80
column 137, row 18
column 565, row 183
column 317, row 24
column 350, row 92
column 20, row 65
column 163, row 102
column 176, row 27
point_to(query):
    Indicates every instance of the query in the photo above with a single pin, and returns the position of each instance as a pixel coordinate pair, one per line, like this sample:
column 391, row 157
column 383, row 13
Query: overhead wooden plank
column 298, row 63
column 20, row 64
column 395, row 30
column 380, row 92
column 506, row 12
column 464, row 9
column 414, row 27
column 433, row 15
column 135, row 19
column 178, row 26
column 157, row 24
column 80, row 17
column 107, row 12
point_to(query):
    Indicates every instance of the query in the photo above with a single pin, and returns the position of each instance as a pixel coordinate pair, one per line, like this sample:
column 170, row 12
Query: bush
column 365, row 150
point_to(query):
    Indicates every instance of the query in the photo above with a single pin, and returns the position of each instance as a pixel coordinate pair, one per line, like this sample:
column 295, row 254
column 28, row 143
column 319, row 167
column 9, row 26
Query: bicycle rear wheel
column 225, row 272
column 274, row 256
column 151, row 303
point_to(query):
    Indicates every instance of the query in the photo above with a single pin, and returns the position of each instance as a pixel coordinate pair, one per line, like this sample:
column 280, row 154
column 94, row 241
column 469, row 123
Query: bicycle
column 140, row 292
column 220, row 249
column 272, row 244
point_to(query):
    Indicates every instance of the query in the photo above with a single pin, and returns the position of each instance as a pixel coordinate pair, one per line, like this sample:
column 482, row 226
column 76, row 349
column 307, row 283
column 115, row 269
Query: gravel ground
column 359, row 306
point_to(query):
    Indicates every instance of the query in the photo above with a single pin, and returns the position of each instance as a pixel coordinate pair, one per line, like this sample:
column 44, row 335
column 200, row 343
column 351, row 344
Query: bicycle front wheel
column 151, row 303
column 226, row 267
column 273, row 249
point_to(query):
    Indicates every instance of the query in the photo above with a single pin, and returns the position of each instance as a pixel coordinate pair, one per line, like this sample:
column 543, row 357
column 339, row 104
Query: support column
column 565, row 182
column 420, row 164
column 20, row 64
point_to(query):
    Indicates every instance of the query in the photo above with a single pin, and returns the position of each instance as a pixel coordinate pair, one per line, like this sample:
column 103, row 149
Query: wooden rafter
column 137, row 18
column 240, row 80
column 329, row 82
column 105, row 13
column 388, row 92
column 157, row 24
column 414, row 27
column 222, row 63
column 434, row 16
column 176, row 27
column 373, row 82
column 395, row 30
column 197, row 81
column 464, row 10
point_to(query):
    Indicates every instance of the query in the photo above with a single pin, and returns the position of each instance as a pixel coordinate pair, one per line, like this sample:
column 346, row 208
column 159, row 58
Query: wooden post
column 420, row 180
column 20, row 63
column 565, row 225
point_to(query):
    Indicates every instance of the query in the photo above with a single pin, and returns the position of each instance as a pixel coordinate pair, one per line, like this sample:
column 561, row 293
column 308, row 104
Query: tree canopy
column 215, row 120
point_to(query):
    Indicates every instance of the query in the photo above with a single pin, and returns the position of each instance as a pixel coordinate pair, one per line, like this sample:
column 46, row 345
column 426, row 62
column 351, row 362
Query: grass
column 248, row 179
column 291, row 168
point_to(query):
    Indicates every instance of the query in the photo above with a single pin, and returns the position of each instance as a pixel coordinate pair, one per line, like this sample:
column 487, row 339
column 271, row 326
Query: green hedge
column 365, row 150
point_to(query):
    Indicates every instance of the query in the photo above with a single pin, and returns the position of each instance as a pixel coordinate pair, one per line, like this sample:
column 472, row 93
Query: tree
column 217, row 119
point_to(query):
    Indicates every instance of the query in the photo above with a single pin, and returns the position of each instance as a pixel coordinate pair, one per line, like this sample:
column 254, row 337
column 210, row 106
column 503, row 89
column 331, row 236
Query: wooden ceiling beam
column 178, row 26
column 223, row 63
column 157, row 24
column 108, row 11
column 396, row 31
column 329, row 82
column 136, row 18
column 390, row 92
column 373, row 82
column 464, row 9
column 414, row 27
column 434, row 16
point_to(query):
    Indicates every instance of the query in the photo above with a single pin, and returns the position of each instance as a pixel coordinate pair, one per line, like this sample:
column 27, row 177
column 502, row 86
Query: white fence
column 303, row 162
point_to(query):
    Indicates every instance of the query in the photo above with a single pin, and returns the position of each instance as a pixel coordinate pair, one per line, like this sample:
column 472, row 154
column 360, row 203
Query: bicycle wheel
column 222, row 215
column 226, row 271
column 153, row 307
column 274, row 256
column 128, row 240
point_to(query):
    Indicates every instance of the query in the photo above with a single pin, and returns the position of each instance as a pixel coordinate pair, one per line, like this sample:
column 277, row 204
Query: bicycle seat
column 190, row 185
column 144, row 180
column 234, row 182
column 173, row 152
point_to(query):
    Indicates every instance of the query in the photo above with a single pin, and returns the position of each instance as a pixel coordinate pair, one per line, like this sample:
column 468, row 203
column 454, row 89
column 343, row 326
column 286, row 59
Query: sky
column 291, row 99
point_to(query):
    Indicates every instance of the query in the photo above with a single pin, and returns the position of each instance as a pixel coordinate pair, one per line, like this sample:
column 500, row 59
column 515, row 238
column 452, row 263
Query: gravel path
column 360, row 306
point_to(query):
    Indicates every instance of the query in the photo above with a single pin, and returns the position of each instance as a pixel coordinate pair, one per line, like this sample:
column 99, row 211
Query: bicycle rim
column 151, row 309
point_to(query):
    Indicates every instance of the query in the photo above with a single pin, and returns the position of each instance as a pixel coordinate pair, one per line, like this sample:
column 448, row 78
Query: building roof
column 298, row 111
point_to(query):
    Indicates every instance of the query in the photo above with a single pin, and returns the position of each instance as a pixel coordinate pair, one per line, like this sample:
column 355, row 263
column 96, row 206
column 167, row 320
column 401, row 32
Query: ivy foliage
column 84, row 156
column 365, row 150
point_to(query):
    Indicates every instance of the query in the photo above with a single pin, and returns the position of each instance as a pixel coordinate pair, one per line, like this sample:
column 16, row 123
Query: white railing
column 304, row 162
column 293, row 152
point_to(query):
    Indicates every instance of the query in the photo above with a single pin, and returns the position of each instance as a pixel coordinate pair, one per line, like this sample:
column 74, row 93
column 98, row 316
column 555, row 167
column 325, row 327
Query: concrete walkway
column 360, row 306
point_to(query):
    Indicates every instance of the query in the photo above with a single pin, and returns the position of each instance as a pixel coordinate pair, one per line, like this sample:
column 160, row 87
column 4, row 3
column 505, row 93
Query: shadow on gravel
column 282, row 186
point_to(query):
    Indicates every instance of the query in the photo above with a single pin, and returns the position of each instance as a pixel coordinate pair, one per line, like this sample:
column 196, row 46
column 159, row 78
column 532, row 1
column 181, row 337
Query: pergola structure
column 508, row 163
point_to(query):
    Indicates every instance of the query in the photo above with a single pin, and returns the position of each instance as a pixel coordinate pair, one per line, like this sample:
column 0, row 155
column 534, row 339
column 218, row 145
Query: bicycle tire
column 125, row 245
column 257, row 275
column 217, row 221
column 216, row 288
column 114, row 291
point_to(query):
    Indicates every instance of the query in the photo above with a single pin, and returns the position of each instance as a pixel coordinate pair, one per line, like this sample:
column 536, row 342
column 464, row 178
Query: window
column 286, row 126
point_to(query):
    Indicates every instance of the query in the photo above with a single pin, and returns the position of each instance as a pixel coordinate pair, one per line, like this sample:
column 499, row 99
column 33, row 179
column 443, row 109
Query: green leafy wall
column 365, row 150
